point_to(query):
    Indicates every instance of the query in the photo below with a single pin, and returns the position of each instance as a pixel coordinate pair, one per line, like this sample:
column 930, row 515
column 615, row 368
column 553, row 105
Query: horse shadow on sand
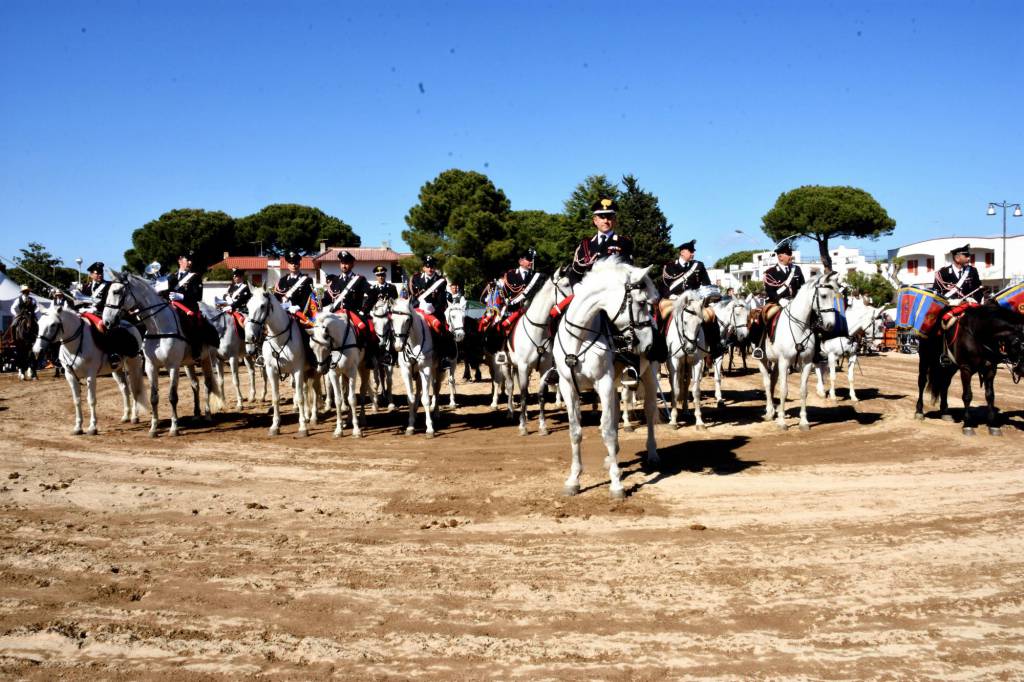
column 712, row 456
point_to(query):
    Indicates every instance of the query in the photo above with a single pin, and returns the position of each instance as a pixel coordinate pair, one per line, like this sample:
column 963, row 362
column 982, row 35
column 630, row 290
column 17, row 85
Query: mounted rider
column 602, row 245
column 380, row 289
column 185, row 290
column 24, row 304
column 686, row 273
column 90, row 301
column 350, row 292
column 236, row 298
column 454, row 294
column 427, row 294
column 781, row 283
column 294, row 289
column 519, row 285
column 959, row 281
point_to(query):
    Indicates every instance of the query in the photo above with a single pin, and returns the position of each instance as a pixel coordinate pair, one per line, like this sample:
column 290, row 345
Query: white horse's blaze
column 585, row 356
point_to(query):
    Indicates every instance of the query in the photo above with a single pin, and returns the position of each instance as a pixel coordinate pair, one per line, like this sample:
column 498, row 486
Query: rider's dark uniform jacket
column 97, row 291
column 190, row 285
column 350, row 292
column 600, row 246
column 783, row 282
column 375, row 292
column 519, row 286
column 677, row 278
column 238, row 296
column 964, row 283
column 295, row 288
column 437, row 298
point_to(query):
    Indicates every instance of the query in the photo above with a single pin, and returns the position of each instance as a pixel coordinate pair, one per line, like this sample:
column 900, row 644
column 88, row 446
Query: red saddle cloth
column 486, row 322
column 958, row 310
column 364, row 333
column 557, row 311
column 96, row 321
column 432, row 321
column 239, row 321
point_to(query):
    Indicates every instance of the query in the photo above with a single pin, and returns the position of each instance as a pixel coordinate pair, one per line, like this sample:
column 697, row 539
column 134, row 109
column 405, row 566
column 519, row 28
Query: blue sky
column 115, row 112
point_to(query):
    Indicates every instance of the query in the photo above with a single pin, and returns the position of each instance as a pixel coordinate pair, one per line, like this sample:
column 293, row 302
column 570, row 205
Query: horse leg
column 451, row 388
column 122, row 387
column 360, row 395
column 832, row 358
column 805, row 374
column 172, row 397
column 626, row 398
column 990, row 399
column 965, row 380
column 572, row 411
column 922, row 381
column 782, row 376
column 274, row 380
column 686, row 371
column 333, row 386
column 428, row 397
column 252, row 377
column 821, row 382
column 523, row 370
column 90, row 392
column 153, row 375
column 651, row 414
column 299, row 382
column 412, row 398
column 851, row 365
column 190, row 372
column 675, row 389
column 134, row 371
column 698, row 375
column 233, row 366
column 605, row 387
column 76, row 398
column 719, row 401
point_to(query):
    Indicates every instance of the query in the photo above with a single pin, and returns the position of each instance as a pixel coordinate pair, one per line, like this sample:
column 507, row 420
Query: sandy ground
column 871, row 547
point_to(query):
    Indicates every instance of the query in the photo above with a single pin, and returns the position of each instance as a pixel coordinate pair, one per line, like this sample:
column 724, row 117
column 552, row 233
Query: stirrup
column 501, row 357
column 630, row 377
column 758, row 353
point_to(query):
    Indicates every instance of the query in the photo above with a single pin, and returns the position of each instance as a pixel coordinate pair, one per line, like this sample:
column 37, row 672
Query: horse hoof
column 805, row 427
column 77, row 432
column 338, row 434
column 135, row 420
column 719, row 404
column 767, row 417
column 153, row 433
column 92, row 432
column 274, row 432
column 629, row 428
column 543, row 432
column 172, row 432
column 430, row 434
column 947, row 418
column 782, row 427
column 409, row 431
column 968, row 431
column 523, row 431
column 303, row 433
column 357, row 434
column 571, row 490
column 918, row 416
column 124, row 420
column 701, row 427
column 995, row 431
column 617, row 494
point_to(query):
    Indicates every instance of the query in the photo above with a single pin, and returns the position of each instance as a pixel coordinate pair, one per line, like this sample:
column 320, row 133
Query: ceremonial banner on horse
column 918, row 309
column 1012, row 297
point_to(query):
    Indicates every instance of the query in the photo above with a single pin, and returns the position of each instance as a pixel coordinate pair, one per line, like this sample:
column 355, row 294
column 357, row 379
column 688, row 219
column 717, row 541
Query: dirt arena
column 874, row 546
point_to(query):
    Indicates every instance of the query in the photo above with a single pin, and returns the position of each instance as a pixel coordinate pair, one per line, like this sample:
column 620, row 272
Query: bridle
column 329, row 362
column 403, row 337
column 609, row 325
column 693, row 343
column 59, row 332
column 156, row 308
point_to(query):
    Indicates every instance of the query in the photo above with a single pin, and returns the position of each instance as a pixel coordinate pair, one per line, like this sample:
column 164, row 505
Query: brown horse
column 24, row 331
column 984, row 337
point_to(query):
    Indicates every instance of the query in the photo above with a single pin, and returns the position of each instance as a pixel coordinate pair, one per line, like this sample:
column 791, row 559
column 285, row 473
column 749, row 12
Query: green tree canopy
column 207, row 233
column 735, row 258
column 876, row 288
column 44, row 265
column 541, row 231
column 460, row 220
column 291, row 227
column 641, row 218
column 819, row 213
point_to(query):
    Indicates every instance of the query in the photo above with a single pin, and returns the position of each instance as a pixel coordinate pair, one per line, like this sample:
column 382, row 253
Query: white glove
column 293, row 308
column 175, row 296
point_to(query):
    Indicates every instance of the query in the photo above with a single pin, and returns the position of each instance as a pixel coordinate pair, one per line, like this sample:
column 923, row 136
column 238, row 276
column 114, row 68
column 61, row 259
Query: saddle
column 953, row 315
column 198, row 330
column 239, row 319
column 365, row 334
column 119, row 340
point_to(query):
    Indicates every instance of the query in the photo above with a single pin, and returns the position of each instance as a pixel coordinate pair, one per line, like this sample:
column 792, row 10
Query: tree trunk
column 826, row 258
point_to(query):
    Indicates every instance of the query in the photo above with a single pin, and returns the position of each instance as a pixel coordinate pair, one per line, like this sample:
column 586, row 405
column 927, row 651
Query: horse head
column 688, row 315
column 401, row 320
column 255, row 325
column 823, row 291
column 328, row 334
column 738, row 318
column 51, row 329
column 380, row 316
column 456, row 317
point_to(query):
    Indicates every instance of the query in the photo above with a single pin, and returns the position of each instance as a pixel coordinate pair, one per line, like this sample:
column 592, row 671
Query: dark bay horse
column 985, row 337
column 24, row 331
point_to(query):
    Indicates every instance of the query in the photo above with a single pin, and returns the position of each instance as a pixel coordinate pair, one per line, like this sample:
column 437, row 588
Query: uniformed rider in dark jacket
column 294, row 288
column 782, row 281
column 95, row 289
column 959, row 281
column 380, row 289
column 347, row 290
column 522, row 282
column 686, row 273
column 427, row 291
column 602, row 245
column 236, row 298
column 185, row 287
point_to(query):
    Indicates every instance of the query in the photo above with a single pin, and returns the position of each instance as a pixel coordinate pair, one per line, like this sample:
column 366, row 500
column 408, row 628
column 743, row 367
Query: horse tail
column 213, row 384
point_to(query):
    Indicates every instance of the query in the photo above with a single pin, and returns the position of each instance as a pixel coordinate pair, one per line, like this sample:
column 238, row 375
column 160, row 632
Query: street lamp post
column 1016, row 214
column 78, row 262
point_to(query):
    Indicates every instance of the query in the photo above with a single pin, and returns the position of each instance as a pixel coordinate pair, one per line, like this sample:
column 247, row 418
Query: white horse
column 585, row 356
column 417, row 360
column 812, row 308
column 733, row 316
column 455, row 317
column 687, row 350
column 383, row 375
column 164, row 345
column 339, row 355
column 82, row 358
column 530, row 347
column 231, row 350
column 283, row 344
column 860, row 320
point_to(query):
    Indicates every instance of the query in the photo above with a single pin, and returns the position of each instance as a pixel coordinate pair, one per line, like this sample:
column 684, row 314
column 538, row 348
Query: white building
column 845, row 260
column 922, row 259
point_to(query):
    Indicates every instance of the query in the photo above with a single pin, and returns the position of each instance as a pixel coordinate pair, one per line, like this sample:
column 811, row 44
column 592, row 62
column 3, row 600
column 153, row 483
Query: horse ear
column 644, row 271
